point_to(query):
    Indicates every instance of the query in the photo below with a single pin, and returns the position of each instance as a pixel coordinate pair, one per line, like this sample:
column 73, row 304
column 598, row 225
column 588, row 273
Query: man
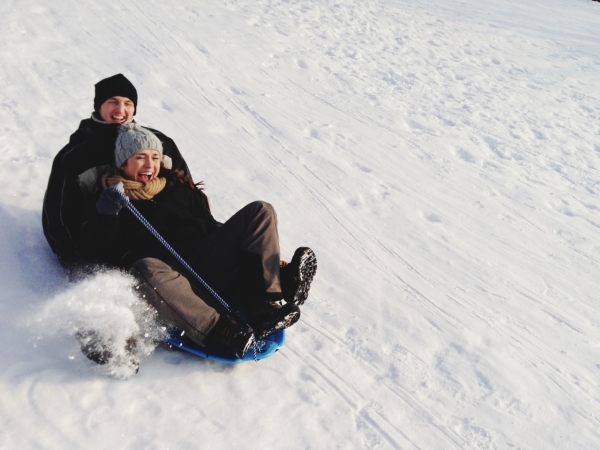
column 74, row 183
column 87, row 155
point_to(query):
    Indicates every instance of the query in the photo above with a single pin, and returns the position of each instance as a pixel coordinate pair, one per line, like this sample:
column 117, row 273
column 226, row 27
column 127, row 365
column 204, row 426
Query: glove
column 111, row 200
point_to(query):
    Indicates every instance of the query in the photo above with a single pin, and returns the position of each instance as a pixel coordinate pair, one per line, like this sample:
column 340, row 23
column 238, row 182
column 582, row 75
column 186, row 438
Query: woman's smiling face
column 142, row 166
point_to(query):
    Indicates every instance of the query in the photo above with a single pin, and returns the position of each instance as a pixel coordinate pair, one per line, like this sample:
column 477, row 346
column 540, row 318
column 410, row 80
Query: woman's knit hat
column 131, row 139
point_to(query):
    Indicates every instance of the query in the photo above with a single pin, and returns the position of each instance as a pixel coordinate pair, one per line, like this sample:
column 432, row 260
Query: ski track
column 373, row 413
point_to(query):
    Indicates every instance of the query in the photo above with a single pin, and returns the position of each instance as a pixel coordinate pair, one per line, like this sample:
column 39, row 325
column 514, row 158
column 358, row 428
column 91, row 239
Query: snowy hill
column 442, row 158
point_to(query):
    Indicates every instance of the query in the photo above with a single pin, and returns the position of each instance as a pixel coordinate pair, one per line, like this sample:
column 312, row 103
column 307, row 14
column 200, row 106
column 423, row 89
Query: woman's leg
column 177, row 303
column 249, row 237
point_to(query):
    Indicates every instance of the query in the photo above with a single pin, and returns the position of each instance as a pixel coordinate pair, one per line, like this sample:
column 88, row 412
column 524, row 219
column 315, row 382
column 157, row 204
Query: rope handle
column 186, row 266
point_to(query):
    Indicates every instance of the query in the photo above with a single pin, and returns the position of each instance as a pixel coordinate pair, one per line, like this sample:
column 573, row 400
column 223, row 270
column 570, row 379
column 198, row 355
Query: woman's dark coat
column 179, row 213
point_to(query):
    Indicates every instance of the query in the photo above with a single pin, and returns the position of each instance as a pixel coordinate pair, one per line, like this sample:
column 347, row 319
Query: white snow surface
column 442, row 158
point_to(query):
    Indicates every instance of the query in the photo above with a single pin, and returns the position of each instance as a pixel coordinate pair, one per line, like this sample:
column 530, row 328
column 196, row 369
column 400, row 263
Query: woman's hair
column 178, row 176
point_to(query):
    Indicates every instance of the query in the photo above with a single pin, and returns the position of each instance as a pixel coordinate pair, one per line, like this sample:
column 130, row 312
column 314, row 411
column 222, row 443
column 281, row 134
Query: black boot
column 228, row 338
column 95, row 348
column 297, row 276
column 271, row 317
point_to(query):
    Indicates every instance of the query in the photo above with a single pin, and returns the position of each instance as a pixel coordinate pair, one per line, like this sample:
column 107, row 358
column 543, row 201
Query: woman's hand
column 111, row 200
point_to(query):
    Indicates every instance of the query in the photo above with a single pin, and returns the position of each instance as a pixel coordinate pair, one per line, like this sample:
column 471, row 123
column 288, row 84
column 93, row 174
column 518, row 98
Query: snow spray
column 106, row 305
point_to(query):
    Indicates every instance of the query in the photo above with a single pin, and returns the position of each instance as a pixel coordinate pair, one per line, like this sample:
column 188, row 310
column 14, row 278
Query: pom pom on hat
column 131, row 139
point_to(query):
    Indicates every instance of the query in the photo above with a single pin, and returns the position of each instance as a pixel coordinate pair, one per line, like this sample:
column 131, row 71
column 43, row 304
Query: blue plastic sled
column 266, row 347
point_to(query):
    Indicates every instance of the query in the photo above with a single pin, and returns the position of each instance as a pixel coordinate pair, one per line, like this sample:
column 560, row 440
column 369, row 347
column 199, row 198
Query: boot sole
column 306, row 261
column 290, row 314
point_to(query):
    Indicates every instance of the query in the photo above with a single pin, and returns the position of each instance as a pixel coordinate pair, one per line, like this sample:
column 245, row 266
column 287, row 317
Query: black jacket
column 91, row 146
column 179, row 213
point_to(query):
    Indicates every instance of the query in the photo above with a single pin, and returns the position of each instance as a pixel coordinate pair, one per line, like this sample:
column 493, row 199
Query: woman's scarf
column 134, row 189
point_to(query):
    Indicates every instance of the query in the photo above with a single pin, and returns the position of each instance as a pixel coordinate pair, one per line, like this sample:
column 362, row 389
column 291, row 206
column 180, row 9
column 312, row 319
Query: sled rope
column 187, row 267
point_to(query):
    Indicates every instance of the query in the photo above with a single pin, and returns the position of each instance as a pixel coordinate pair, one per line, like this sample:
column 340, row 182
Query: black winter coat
column 91, row 146
column 179, row 213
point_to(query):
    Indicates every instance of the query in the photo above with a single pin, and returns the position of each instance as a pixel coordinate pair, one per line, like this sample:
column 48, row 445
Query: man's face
column 117, row 110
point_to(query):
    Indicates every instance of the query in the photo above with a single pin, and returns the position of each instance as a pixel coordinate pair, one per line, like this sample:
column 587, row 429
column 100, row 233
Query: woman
column 238, row 259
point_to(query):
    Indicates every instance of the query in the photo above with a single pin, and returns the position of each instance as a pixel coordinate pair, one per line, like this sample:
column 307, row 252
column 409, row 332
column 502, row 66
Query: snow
column 442, row 159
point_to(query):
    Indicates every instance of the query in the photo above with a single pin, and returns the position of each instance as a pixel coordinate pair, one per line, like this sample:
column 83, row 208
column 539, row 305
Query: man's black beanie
column 115, row 86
